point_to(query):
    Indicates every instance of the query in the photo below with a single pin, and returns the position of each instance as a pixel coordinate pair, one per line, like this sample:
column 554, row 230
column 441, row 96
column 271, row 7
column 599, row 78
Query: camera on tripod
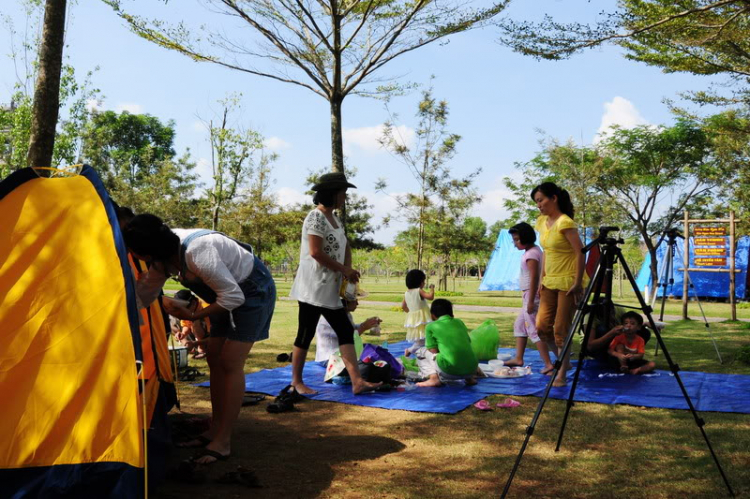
column 673, row 233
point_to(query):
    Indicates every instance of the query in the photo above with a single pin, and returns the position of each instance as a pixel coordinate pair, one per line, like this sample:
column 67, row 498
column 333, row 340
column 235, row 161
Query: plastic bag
column 485, row 340
column 372, row 353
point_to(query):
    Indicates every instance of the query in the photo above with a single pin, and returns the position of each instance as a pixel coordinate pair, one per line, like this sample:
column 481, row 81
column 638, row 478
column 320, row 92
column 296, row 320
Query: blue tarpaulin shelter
column 707, row 284
column 504, row 266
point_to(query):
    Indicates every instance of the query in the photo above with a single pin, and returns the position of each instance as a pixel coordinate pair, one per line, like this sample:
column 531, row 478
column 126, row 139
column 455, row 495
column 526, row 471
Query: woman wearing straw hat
column 325, row 260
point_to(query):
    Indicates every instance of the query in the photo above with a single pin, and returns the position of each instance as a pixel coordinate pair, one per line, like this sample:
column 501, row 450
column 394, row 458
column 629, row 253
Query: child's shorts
column 525, row 325
column 427, row 363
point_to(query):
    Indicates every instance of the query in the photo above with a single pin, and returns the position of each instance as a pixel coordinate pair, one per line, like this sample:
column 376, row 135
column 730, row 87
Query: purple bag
column 379, row 353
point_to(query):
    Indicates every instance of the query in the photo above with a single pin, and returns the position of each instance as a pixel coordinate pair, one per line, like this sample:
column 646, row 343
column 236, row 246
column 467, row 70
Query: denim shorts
column 251, row 321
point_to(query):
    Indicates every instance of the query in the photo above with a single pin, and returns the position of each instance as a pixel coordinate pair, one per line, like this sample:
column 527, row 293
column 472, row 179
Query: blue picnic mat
column 708, row 391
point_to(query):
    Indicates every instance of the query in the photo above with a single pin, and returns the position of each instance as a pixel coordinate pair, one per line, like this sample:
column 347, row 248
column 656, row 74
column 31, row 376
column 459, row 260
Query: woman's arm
column 575, row 242
column 542, row 273
column 534, row 280
column 320, row 256
column 150, row 284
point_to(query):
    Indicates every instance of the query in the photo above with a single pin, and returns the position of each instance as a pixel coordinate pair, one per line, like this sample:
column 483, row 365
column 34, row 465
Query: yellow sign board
column 710, row 251
column 710, row 231
column 709, row 241
column 711, row 262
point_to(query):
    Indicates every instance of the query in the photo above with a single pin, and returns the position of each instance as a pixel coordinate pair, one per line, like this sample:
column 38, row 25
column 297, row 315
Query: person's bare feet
column 559, row 383
column 514, row 362
column 304, row 389
column 548, row 369
column 624, row 369
column 433, row 380
column 364, row 387
column 470, row 381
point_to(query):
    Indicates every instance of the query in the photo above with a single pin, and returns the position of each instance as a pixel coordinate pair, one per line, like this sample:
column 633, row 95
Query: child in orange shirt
column 629, row 348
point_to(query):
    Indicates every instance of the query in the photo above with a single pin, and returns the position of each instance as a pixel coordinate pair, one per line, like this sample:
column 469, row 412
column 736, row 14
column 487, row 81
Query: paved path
column 514, row 310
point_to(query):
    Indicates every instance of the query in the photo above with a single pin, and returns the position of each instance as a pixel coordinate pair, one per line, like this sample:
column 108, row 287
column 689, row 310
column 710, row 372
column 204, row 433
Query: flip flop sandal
column 208, row 453
column 252, row 399
column 197, row 441
column 483, row 405
column 291, row 393
column 280, row 405
column 508, row 404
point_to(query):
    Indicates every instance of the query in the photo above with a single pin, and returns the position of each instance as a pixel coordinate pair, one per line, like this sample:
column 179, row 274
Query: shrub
column 744, row 354
column 448, row 293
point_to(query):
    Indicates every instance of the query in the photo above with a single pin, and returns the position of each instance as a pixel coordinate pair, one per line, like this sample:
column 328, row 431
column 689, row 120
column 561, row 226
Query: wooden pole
column 686, row 264
column 732, row 301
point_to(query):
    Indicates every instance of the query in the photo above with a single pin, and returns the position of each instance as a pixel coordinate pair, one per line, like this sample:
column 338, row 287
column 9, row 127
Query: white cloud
column 130, row 107
column 621, row 112
column 366, row 138
column 491, row 208
column 93, row 105
column 276, row 144
column 288, row 196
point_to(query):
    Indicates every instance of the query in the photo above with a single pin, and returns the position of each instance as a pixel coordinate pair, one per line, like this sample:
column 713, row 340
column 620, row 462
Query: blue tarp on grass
column 708, row 391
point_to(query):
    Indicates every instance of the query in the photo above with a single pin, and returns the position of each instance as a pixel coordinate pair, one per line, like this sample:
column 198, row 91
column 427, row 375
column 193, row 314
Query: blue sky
column 498, row 99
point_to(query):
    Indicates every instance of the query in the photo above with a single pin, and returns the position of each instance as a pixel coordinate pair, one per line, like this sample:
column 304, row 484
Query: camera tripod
column 667, row 279
column 602, row 281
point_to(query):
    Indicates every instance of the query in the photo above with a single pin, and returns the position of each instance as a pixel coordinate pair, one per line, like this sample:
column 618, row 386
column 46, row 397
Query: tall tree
column 233, row 151
column 427, row 161
column 135, row 156
column 642, row 164
column 47, row 93
column 330, row 47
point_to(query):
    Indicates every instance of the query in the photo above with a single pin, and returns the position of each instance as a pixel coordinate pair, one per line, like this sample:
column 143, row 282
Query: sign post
column 712, row 250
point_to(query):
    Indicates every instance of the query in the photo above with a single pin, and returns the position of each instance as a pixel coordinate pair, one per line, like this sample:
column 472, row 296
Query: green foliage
column 744, row 355
column 448, row 293
column 437, row 210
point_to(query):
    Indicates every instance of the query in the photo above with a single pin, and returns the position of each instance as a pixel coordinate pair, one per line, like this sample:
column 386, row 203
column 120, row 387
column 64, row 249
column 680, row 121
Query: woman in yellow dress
column 563, row 265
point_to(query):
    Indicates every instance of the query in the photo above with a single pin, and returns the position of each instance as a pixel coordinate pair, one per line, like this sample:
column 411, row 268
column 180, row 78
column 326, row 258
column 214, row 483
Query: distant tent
column 504, row 266
column 71, row 415
column 707, row 284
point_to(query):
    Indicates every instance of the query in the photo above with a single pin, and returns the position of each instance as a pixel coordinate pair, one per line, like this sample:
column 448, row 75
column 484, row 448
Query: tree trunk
column 215, row 218
column 337, row 145
column 654, row 265
column 47, row 92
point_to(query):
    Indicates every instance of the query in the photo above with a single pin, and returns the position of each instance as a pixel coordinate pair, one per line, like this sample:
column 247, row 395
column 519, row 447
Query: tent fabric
column 707, row 284
column 708, row 391
column 68, row 378
column 504, row 267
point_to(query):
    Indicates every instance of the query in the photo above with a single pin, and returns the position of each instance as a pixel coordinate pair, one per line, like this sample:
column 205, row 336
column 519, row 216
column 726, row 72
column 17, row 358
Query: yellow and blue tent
column 71, row 344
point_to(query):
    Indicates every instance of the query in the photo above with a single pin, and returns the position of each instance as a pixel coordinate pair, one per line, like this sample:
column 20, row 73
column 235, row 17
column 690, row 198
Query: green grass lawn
column 342, row 451
column 393, row 291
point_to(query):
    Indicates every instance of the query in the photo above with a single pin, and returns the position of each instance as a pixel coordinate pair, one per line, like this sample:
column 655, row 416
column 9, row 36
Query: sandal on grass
column 209, row 453
column 483, row 405
column 197, row 441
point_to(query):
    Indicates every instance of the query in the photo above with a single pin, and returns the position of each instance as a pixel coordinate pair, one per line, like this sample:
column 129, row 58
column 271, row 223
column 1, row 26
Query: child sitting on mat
column 447, row 354
column 628, row 348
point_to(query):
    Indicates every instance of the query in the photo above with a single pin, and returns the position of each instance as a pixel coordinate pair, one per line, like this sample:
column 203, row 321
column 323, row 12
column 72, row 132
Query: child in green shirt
column 447, row 354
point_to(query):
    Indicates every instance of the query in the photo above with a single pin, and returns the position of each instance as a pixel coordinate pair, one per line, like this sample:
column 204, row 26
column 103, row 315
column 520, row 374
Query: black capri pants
column 309, row 315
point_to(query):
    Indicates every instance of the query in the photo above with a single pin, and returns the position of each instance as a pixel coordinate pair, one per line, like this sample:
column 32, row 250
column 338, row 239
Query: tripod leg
column 705, row 320
column 599, row 279
column 675, row 370
column 537, row 414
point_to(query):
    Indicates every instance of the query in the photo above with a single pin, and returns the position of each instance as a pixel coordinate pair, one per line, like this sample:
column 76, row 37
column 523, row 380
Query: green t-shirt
column 451, row 338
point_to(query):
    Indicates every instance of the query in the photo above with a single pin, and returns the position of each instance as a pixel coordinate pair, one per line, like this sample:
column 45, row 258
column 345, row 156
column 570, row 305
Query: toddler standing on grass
column 416, row 307
column 525, row 326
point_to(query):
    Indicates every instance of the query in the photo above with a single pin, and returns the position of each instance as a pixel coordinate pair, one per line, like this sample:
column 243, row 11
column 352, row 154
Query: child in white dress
column 416, row 307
